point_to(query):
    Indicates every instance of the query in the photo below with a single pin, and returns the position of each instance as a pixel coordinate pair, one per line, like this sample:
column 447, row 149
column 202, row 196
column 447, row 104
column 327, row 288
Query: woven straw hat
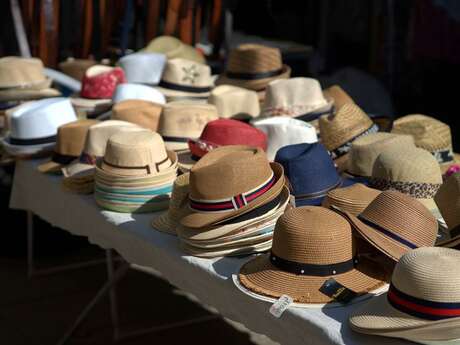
column 76, row 68
column 230, row 181
column 338, row 131
column 429, row 134
column 352, row 199
column 310, row 245
column 174, row 48
column 448, row 201
column 143, row 113
column 395, row 223
column 409, row 170
column 422, row 303
column 181, row 121
column 254, row 66
column 232, row 101
column 338, row 95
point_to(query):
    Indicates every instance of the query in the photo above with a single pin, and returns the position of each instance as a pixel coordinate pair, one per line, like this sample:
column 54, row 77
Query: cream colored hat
column 422, row 303
column 181, row 121
column 448, row 201
column 174, row 48
column 233, row 101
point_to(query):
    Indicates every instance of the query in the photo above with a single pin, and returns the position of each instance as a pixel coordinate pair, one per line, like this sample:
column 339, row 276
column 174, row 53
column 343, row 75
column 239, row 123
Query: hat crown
column 71, row 137
column 20, row 72
column 254, row 58
column 143, row 113
column 448, row 200
column 131, row 91
column 179, row 196
column 100, row 81
column 313, row 235
column 340, row 97
column 187, row 73
column 231, row 132
column 143, row 67
column 403, row 216
column 232, row 100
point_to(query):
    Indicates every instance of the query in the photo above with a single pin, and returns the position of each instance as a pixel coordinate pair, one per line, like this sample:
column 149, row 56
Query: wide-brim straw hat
column 422, row 303
column 352, row 199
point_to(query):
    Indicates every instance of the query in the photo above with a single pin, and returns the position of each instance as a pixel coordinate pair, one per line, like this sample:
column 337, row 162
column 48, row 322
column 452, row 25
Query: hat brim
column 78, row 170
column 50, row 167
column 186, row 162
column 164, row 223
column 239, row 251
column 200, row 219
column 169, row 93
column 26, row 150
column 91, row 105
column 318, row 201
column 26, row 95
column 253, row 84
column 84, row 187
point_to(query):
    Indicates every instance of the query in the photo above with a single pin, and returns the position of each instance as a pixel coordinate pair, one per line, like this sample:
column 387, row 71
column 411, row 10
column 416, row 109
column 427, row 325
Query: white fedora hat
column 145, row 68
column 137, row 91
column 33, row 126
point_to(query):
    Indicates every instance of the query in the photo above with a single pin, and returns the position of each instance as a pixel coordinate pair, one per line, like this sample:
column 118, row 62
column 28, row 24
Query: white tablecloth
column 209, row 280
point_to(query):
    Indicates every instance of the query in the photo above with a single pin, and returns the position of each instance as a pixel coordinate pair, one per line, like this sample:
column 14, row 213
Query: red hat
column 223, row 132
column 100, row 82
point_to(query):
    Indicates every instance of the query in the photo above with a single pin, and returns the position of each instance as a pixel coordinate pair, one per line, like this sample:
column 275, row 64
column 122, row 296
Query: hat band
column 253, row 76
column 313, row 115
column 318, row 194
column 62, row 159
column 145, row 167
column 37, row 141
column 416, row 190
column 86, row 158
column 388, row 233
column 185, row 88
column 343, row 149
column 443, row 156
column 234, row 203
column 312, row 269
column 176, row 139
column 421, row 308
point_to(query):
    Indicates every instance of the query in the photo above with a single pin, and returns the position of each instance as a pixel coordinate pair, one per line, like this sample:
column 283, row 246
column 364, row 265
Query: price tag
column 277, row 309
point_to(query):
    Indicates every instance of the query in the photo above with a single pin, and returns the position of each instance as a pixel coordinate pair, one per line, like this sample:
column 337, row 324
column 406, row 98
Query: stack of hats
column 235, row 102
column 353, row 199
column 173, row 48
column 235, row 197
column 136, row 174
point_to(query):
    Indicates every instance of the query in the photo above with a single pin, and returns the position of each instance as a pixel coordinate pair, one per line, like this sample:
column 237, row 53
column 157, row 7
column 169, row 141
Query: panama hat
column 218, row 192
column 422, row 304
column 429, row 134
column 254, row 66
column 143, row 113
column 76, row 68
column 327, row 250
column 144, row 68
column 235, row 102
column 395, row 223
column 352, row 199
column 283, row 131
column 173, row 48
column 409, row 170
column 24, row 79
column 130, row 91
column 184, row 120
column 448, row 201
column 34, row 125
column 69, row 145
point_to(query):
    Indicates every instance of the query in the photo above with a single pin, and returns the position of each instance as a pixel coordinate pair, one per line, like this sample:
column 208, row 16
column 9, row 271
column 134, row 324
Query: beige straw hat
column 143, row 113
column 448, row 201
column 173, row 48
column 422, row 304
column 310, row 245
column 429, row 134
column 254, row 66
column 409, row 170
column 76, row 68
column 352, row 199
column 338, row 95
column 235, row 102
column 338, row 131
column 395, row 223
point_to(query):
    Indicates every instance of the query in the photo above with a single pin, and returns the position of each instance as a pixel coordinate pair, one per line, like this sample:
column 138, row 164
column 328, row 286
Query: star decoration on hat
column 190, row 74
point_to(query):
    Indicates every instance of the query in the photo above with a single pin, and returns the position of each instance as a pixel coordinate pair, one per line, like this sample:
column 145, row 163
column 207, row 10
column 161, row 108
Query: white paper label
column 292, row 200
column 277, row 309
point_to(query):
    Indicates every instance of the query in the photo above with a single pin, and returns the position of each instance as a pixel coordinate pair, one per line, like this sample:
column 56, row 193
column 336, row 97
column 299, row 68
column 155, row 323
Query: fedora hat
column 338, row 131
column 327, row 250
column 429, row 134
column 235, row 102
column 254, row 66
column 395, row 223
column 143, row 113
column 283, row 131
column 365, row 150
column 129, row 91
column 182, row 120
column 144, row 68
column 310, row 172
column 173, row 48
column 352, row 199
column 422, row 302
column 339, row 96
column 24, row 79
column 34, row 125
column 447, row 199
column 69, row 145
column 185, row 79
column 217, row 191
column 409, row 170
column 76, row 68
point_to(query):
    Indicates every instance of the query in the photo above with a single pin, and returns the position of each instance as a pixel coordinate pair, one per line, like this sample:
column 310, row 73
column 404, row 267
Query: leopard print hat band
column 414, row 189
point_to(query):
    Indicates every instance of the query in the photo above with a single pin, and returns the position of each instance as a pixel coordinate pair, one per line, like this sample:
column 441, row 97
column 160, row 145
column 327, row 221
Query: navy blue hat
column 310, row 171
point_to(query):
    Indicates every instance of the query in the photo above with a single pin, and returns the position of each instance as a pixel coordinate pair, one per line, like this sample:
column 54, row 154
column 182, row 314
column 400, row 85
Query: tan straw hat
column 310, row 245
column 352, row 199
column 338, row 95
column 429, row 134
column 232, row 101
column 422, row 304
column 253, row 66
column 448, row 201
column 173, row 48
column 395, row 223
column 76, row 68
column 143, row 113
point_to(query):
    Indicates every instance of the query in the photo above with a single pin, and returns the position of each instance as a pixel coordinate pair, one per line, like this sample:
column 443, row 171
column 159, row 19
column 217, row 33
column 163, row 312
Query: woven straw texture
column 143, row 113
column 353, row 199
column 18, row 72
column 339, row 96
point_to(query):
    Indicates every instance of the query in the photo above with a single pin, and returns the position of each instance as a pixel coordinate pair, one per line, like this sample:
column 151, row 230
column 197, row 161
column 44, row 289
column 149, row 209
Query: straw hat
column 283, row 131
column 254, row 66
column 127, row 91
column 218, row 190
column 233, row 101
column 352, row 199
column 395, row 223
column 338, row 95
column 448, row 201
column 422, row 302
column 144, row 68
column 76, row 68
column 429, row 134
column 409, row 170
column 143, row 113
column 69, row 145
column 365, row 150
column 174, row 48
column 24, row 79
column 340, row 130
column 326, row 250
column 181, row 121
column 185, row 79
